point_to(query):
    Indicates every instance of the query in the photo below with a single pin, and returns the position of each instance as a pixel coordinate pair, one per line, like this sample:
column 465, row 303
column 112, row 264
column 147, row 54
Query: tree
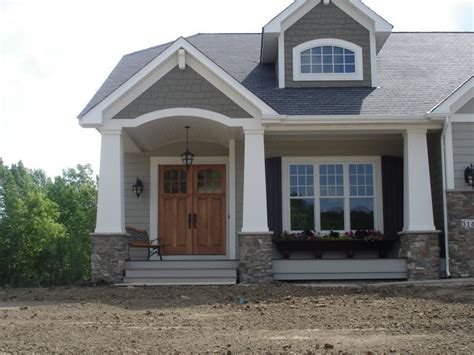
column 45, row 226
column 75, row 192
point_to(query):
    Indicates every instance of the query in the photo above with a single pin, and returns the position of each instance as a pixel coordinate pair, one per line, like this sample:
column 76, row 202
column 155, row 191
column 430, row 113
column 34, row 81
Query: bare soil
column 278, row 318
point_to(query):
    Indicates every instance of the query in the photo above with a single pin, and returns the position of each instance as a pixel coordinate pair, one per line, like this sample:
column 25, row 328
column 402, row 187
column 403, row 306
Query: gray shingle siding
column 327, row 21
column 463, row 151
column 182, row 88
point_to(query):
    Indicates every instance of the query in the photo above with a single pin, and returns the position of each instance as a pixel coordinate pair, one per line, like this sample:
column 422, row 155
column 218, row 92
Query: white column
column 232, row 228
column 110, row 206
column 417, row 189
column 255, row 193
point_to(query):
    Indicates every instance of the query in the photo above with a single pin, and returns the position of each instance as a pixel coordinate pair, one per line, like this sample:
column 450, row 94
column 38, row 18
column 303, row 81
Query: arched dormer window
column 327, row 60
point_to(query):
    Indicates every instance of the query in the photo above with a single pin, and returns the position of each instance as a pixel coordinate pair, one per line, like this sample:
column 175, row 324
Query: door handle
column 195, row 220
column 189, row 220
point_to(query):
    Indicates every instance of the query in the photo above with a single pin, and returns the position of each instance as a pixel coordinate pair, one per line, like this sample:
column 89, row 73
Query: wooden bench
column 139, row 239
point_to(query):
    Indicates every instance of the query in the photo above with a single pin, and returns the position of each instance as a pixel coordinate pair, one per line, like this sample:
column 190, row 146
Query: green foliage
column 45, row 226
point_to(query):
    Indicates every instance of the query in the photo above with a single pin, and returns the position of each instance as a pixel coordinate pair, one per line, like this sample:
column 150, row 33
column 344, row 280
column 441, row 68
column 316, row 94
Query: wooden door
column 193, row 210
column 175, row 205
column 210, row 210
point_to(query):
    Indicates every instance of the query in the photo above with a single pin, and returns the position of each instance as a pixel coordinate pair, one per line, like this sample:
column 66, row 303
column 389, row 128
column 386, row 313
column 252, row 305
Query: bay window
column 326, row 194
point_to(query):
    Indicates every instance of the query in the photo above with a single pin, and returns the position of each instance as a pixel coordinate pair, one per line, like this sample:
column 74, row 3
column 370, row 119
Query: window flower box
column 348, row 242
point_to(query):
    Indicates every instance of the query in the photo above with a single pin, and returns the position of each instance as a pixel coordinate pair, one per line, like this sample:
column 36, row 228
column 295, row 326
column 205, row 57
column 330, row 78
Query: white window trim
column 378, row 199
column 359, row 61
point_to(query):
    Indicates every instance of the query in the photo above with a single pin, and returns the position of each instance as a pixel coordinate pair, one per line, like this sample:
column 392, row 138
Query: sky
column 54, row 55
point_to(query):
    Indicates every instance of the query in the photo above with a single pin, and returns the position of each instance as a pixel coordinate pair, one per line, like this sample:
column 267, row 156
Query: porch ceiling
column 156, row 134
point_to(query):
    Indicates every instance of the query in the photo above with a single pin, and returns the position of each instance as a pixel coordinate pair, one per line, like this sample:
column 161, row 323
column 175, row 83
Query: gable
column 321, row 22
column 182, row 88
column 468, row 108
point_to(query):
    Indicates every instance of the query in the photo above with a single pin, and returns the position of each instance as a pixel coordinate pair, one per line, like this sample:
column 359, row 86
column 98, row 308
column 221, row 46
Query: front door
column 192, row 209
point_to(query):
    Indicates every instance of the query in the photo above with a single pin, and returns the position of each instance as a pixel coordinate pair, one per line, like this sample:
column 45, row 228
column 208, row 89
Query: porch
column 218, row 228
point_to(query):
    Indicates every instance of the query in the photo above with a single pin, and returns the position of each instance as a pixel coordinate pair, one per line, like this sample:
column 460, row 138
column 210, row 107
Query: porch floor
column 340, row 269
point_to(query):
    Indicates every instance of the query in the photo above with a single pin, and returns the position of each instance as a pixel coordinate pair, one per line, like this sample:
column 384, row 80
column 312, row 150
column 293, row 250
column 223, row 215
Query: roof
column 416, row 71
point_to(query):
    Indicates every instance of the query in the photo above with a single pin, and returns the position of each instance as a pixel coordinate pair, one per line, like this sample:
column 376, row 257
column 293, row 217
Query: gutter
column 447, row 124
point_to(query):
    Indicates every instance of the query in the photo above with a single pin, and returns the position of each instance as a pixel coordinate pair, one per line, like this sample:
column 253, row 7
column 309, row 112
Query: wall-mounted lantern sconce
column 138, row 188
column 469, row 175
column 187, row 157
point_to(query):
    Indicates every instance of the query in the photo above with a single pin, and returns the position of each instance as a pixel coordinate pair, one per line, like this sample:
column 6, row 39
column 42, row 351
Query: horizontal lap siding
column 137, row 211
column 376, row 147
column 463, row 150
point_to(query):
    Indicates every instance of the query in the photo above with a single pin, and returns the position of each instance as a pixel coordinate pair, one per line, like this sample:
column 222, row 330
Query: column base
column 256, row 260
column 108, row 255
column 461, row 239
column 423, row 254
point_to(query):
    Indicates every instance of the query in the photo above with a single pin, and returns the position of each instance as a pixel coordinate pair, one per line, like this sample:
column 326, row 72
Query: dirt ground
column 279, row 318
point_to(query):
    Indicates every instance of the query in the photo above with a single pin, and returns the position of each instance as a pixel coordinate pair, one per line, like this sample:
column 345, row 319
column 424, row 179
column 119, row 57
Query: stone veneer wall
column 461, row 240
column 255, row 265
column 108, row 256
column 422, row 253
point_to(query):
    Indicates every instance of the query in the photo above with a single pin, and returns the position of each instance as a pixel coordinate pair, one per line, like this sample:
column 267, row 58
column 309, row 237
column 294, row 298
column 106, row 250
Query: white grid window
column 332, row 196
column 302, row 196
column 328, row 60
column 361, row 187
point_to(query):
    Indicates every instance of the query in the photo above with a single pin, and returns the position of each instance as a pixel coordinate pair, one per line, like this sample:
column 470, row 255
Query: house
column 327, row 121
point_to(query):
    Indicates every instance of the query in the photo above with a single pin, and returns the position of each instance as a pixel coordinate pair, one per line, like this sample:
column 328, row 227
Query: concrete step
column 195, row 272
column 181, row 273
column 141, row 281
column 179, row 264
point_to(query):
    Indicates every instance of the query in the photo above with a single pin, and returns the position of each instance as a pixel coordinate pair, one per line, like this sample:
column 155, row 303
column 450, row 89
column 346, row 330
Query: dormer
column 325, row 43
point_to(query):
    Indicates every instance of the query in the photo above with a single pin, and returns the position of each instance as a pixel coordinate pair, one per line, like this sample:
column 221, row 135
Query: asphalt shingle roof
column 415, row 71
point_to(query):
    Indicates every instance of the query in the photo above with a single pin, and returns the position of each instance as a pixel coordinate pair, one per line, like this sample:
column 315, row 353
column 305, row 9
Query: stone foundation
column 423, row 255
column 255, row 265
column 108, row 258
column 461, row 239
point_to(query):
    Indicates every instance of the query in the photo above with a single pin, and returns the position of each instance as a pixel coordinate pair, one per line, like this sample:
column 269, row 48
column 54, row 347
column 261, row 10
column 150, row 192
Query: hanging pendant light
column 187, row 157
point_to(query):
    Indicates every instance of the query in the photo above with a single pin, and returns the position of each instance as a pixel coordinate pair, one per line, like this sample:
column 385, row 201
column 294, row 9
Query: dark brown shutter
column 392, row 186
column 274, row 195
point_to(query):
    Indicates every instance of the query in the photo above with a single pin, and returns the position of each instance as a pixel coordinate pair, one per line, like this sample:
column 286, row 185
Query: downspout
column 447, row 124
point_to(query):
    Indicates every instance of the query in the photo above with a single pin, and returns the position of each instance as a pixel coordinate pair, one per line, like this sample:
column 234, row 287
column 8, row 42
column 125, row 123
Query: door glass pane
column 332, row 214
column 209, row 181
column 362, row 213
column 175, row 181
column 201, row 186
column 174, row 187
column 302, row 214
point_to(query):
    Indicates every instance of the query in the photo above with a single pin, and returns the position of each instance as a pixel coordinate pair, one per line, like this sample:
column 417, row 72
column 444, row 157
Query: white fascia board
column 458, row 97
column 298, row 13
column 350, row 123
column 381, row 25
column 302, row 119
column 94, row 118
column 274, row 26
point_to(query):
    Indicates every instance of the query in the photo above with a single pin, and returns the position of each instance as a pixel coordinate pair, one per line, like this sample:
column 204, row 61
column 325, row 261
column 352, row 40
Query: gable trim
column 95, row 117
